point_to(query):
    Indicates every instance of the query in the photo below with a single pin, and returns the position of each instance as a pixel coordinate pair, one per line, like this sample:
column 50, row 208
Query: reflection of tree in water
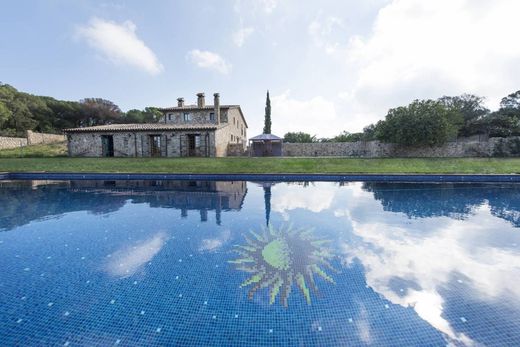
column 420, row 200
column 276, row 259
column 25, row 201
column 267, row 203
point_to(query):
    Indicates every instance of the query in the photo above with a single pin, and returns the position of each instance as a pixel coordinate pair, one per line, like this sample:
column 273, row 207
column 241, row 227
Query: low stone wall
column 337, row 149
column 504, row 147
column 12, row 142
column 236, row 150
column 34, row 138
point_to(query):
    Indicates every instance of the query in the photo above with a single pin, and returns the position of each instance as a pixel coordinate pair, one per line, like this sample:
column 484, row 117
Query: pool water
column 197, row 263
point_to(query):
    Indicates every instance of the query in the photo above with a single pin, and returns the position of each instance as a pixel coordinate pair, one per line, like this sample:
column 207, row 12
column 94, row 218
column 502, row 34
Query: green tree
column 21, row 111
column 148, row 115
column 470, row 107
column 345, row 136
column 99, row 111
column 134, row 116
column 152, row 114
column 510, row 105
column 4, row 114
column 267, row 119
column 423, row 122
column 369, row 132
column 299, row 137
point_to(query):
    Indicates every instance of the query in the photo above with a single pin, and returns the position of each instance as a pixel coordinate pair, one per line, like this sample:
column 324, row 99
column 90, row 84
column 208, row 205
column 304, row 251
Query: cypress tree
column 267, row 119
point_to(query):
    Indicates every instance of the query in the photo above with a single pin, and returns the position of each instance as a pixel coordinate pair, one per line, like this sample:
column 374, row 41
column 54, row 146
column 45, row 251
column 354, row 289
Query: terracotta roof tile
column 142, row 127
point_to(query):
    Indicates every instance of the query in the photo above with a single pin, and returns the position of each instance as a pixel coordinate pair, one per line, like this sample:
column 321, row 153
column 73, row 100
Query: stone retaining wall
column 12, row 142
column 236, row 150
column 34, row 138
column 502, row 147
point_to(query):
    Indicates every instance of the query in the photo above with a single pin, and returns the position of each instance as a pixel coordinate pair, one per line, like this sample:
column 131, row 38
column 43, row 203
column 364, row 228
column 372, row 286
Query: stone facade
column 183, row 131
column 236, row 150
column 234, row 132
column 139, row 144
column 34, row 138
column 375, row 149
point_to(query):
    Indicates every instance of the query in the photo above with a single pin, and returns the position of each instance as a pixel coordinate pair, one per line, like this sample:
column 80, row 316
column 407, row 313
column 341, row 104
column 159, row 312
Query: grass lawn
column 52, row 158
column 36, row 151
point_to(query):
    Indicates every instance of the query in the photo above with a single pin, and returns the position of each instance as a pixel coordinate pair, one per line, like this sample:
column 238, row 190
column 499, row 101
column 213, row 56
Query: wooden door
column 107, row 145
column 155, row 145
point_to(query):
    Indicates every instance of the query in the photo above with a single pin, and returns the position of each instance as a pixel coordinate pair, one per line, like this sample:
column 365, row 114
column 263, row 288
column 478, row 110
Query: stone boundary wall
column 503, row 147
column 34, row 138
column 236, row 150
column 12, row 142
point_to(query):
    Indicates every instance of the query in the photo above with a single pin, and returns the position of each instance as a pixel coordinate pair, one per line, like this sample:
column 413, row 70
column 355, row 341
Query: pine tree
column 267, row 120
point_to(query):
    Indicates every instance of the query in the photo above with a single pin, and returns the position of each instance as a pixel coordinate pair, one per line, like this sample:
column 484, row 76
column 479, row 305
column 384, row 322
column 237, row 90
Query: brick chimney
column 200, row 100
column 216, row 105
column 180, row 102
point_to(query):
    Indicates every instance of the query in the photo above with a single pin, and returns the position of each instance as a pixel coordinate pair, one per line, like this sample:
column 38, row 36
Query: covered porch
column 265, row 145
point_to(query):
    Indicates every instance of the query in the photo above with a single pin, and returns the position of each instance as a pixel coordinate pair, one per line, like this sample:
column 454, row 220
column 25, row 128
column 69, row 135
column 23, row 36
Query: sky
column 330, row 66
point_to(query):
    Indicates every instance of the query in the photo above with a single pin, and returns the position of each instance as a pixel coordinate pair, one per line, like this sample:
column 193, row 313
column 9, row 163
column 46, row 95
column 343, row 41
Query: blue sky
column 330, row 65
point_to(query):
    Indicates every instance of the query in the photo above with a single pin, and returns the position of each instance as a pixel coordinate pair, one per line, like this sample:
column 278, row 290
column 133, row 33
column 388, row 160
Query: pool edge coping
column 347, row 177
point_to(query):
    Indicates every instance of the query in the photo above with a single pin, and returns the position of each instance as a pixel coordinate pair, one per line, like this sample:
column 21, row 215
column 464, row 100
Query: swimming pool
column 259, row 263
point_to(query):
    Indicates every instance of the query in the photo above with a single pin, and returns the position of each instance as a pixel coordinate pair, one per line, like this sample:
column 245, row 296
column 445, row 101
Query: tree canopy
column 21, row 111
column 433, row 122
column 423, row 122
column 299, row 137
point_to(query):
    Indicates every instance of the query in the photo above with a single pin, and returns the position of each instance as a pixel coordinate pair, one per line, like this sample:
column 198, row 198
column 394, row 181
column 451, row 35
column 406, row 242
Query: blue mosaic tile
column 211, row 263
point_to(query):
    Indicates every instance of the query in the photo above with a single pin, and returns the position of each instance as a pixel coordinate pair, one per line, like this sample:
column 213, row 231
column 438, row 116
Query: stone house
column 183, row 131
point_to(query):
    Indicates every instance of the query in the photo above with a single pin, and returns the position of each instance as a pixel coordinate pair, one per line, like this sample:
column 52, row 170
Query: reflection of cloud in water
column 363, row 326
column 212, row 245
column 126, row 262
column 429, row 253
column 314, row 198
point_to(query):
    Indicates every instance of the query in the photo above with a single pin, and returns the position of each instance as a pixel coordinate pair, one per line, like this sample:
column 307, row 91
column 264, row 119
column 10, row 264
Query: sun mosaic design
column 278, row 258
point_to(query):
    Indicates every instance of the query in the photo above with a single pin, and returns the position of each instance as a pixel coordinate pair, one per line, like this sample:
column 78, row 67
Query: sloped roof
column 142, row 127
column 266, row 137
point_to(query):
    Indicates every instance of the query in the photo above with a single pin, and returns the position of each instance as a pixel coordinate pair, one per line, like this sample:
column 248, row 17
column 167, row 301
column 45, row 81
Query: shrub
column 423, row 122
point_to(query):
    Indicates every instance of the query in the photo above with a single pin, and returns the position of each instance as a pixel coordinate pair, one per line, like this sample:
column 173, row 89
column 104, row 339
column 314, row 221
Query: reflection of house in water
column 25, row 201
column 203, row 196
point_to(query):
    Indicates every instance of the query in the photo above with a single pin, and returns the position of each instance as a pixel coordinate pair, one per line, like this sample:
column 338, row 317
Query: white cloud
column 394, row 247
column 312, row 198
column 240, row 36
column 253, row 6
column 325, row 33
column 129, row 260
column 268, row 5
column 214, row 244
column 426, row 49
column 209, row 60
column 315, row 116
column 119, row 44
